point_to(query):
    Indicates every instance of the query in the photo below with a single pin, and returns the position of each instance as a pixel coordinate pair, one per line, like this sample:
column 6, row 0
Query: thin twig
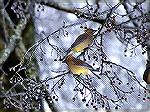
column 74, row 11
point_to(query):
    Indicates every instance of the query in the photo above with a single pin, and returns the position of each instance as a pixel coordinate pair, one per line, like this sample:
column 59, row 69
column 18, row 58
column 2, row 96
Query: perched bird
column 83, row 41
column 79, row 67
column 146, row 75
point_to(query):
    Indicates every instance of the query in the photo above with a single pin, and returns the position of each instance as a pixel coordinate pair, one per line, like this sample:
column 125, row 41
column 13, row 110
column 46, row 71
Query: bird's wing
column 80, row 39
column 87, row 65
column 82, row 63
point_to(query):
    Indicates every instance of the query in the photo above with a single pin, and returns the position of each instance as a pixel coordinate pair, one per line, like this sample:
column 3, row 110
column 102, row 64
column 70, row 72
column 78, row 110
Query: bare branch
column 14, row 40
column 74, row 11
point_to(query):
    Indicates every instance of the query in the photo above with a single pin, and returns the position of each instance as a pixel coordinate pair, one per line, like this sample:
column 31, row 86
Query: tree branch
column 74, row 11
column 14, row 40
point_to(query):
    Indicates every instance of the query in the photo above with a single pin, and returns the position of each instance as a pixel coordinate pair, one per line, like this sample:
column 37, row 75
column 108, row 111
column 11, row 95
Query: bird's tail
column 67, row 53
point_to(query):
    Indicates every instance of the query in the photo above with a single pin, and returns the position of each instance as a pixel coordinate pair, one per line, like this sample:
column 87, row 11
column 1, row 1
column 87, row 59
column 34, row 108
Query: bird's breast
column 79, row 70
column 82, row 45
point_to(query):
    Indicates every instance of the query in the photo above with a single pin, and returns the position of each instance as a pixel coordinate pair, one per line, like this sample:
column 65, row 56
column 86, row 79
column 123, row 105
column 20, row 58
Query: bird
column 82, row 42
column 79, row 67
column 146, row 75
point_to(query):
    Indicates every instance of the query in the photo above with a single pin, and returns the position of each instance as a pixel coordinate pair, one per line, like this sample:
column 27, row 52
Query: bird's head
column 68, row 58
column 89, row 31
